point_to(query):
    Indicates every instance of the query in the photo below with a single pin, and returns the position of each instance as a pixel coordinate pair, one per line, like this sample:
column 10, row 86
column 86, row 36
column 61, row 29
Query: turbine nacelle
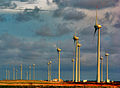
column 75, row 38
column 58, row 49
column 101, row 58
column 106, row 54
column 73, row 60
column 97, row 26
column 50, row 62
column 79, row 45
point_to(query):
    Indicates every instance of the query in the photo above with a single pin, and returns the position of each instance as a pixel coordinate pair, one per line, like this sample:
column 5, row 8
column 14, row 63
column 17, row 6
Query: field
column 46, row 84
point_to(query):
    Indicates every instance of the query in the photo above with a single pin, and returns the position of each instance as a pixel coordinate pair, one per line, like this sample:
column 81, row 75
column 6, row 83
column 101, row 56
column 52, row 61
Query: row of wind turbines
column 77, row 58
column 15, row 73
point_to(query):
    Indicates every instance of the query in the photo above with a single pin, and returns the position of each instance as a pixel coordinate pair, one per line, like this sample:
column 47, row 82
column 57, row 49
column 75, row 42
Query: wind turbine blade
column 95, row 31
column 96, row 23
column 96, row 15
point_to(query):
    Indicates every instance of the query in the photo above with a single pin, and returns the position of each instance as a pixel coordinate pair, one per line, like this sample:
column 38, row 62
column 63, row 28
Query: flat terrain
column 46, row 84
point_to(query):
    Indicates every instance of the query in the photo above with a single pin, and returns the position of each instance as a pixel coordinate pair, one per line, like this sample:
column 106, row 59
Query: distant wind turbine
column 75, row 38
column 97, row 27
column 58, row 50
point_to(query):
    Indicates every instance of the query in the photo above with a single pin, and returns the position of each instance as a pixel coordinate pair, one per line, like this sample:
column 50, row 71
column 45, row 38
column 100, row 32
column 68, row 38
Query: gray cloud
column 117, row 24
column 2, row 18
column 8, row 5
column 74, row 15
column 59, row 30
column 69, row 14
column 25, row 52
column 24, row 0
column 59, row 12
column 88, row 4
column 29, row 14
column 108, row 18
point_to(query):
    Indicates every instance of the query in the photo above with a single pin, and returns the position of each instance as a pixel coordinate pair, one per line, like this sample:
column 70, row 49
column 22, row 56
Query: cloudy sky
column 30, row 30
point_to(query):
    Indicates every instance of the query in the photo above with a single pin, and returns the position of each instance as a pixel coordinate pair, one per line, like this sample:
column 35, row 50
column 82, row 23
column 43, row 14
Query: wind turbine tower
column 13, row 73
column 29, row 72
column 97, row 27
column 48, row 70
column 79, row 45
column 101, row 68
column 6, row 74
column 50, row 62
column 27, row 75
column 33, row 71
column 21, row 71
column 107, row 54
column 16, row 73
column 73, row 60
column 59, row 50
column 76, row 40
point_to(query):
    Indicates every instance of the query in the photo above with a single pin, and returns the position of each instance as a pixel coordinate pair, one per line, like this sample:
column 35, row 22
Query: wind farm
column 87, row 55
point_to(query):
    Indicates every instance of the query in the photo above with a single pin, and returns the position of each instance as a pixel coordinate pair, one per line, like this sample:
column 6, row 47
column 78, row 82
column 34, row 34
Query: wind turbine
column 107, row 54
column 75, row 38
column 59, row 50
column 33, row 71
column 21, row 71
column 50, row 62
column 13, row 73
column 27, row 75
column 16, row 73
column 101, row 58
column 97, row 27
column 29, row 72
column 73, row 60
column 6, row 73
column 79, row 45
column 48, row 70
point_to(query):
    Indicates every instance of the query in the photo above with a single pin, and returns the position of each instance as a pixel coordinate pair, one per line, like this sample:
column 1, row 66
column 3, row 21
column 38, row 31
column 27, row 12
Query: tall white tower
column 97, row 27
column 101, row 68
column 50, row 62
column 106, row 54
column 33, row 71
column 48, row 71
column 21, row 71
column 59, row 50
column 73, row 60
column 79, row 45
column 76, row 40
column 29, row 72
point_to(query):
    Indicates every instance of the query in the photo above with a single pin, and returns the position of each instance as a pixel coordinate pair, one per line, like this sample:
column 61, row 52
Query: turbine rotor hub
column 79, row 45
column 58, row 49
column 75, row 38
column 107, row 54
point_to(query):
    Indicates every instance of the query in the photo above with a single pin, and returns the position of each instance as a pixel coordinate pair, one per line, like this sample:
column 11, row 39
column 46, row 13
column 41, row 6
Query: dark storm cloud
column 29, row 14
column 88, row 4
column 12, row 47
column 2, row 18
column 59, row 12
column 59, row 30
column 108, row 18
column 117, row 24
column 24, row 0
column 8, row 5
column 69, row 14
column 74, row 15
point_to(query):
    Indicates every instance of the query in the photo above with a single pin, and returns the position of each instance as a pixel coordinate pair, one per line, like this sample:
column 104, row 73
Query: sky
column 30, row 31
